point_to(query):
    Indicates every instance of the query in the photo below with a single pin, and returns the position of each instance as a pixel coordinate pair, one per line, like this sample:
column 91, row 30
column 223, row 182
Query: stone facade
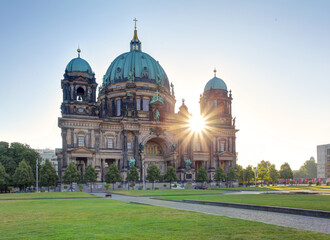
column 134, row 118
column 323, row 161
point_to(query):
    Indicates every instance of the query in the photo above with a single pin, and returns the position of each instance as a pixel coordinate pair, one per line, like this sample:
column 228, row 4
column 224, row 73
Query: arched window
column 80, row 94
column 153, row 148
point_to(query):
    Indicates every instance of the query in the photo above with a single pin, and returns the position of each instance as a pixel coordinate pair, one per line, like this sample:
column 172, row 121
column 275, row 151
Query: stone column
column 124, row 149
column 136, row 149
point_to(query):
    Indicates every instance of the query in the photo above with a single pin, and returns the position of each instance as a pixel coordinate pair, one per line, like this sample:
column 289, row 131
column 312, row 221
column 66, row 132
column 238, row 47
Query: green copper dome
column 78, row 65
column 215, row 83
column 135, row 66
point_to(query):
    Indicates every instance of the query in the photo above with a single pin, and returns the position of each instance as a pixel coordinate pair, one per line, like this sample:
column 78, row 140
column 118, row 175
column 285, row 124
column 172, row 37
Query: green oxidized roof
column 215, row 83
column 78, row 65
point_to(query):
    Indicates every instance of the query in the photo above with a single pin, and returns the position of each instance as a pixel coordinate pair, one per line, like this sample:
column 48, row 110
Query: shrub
column 175, row 185
column 80, row 186
column 291, row 182
column 119, row 186
column 318, row 183
column 107, row 186
column 132, row 185
column 164, row 185
column 65, row 187
column 32, row 191
column 310, row 183
column 148, row 188
column 52, row 187
column 140, row 188
column 328, row 183
column 10, row 188
column 156, row 188
column 42, row 190
column 208, row 185
column 217, row 184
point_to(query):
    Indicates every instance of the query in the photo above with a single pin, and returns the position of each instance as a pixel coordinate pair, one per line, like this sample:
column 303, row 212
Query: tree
column 71, row 174
column 262, row 173
column 23, row 176
column 272, row 173
column 220, row 174
column 240, row 173
column 202, row 175
column 48, row 175
column 133, row 174
column 249, row 173
column 153, row 174
column 231, row 175
column 4, row 178
column 286, row 172
column 113, row 175
column 90, row 176
column 171, row 175
column 308, row 170
column 265, row 164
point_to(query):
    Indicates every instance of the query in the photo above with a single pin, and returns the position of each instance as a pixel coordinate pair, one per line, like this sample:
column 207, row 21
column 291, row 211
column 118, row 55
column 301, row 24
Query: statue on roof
column 156, row 98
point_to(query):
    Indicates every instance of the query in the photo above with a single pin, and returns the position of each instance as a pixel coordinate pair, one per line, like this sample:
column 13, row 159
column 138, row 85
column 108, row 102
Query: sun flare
column 197, row 123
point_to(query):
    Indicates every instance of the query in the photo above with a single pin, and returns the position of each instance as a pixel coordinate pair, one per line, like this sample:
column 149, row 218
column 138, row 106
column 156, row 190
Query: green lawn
column 280, row 188
column 168, row 192
column 109, row 219
column 316, row 202
column 45, row 195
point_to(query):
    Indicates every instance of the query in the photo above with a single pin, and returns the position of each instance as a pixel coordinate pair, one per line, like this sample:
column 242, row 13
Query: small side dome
column 215, row 83
column 78, row 65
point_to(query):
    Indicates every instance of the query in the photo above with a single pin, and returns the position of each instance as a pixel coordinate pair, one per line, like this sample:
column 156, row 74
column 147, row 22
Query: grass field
column 316, row 202
column 109, row 219
column 45, row 195
column 280, row 188
column 168, row 192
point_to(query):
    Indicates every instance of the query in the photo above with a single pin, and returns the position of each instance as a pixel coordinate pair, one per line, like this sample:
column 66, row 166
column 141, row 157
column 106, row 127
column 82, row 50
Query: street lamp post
column 37, row 175
column 143, row 175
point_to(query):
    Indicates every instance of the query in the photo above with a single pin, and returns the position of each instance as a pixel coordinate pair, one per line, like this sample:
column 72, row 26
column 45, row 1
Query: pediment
column 82, row 150
column 225, row 154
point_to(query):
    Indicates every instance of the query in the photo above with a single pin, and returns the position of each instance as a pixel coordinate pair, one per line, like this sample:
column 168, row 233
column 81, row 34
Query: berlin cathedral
column 132, row 120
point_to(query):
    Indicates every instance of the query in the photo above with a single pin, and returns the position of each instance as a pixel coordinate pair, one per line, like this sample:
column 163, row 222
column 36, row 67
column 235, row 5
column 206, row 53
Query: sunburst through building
column 133, row 120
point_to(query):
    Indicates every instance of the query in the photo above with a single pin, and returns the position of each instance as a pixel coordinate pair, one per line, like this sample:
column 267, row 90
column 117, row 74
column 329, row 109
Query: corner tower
column 216, row 108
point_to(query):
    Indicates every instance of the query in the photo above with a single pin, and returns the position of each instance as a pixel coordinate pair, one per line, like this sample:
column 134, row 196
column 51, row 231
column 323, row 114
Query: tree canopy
column 4, row 178
column 308, row 170
column 153, row 174
column 285, row 171
column 133, row 174
column 202, row 175
column 90, row 176
column 48, row 174
column 272, row 173
column 171, row 175
column 23, row 176
column 71, row 174
column 220, row 174
column 113, row 175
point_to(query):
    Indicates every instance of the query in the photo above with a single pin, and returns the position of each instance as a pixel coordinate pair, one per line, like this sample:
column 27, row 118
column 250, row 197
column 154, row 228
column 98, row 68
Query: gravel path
column 281, row 219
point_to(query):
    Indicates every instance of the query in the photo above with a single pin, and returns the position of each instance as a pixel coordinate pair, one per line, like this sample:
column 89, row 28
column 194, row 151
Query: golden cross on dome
column 135, row 20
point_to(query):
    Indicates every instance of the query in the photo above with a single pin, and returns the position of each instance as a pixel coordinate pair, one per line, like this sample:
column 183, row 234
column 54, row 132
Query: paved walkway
column 281, row 219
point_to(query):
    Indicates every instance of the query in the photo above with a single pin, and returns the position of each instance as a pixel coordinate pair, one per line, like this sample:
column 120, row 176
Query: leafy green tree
column 133, row 174
column 90, row 176
column 262, row 173
column 202, row 175
column 4, row 178
column 273, row 173
column 71, row 174
column 219, row 175
column 308, row 170
column 153, row 174
column 171, row 175
column 232, row 175
column 23, row 176
column 286, row 172
column 113, row 175
column 48, row 176
column 240, row 173
column 265, row 164
column 249, row 173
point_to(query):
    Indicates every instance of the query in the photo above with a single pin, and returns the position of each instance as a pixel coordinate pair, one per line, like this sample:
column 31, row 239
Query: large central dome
column 135, row 66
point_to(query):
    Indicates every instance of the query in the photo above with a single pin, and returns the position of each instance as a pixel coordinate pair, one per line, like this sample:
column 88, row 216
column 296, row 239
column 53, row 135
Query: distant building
column 50, row 155
column 323, row 161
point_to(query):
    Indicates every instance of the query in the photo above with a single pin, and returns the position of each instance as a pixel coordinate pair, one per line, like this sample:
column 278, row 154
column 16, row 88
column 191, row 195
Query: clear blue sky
column 274, row 55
